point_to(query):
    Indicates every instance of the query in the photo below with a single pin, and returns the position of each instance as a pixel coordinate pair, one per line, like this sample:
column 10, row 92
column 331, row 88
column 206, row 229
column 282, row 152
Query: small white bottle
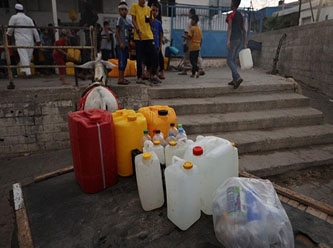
column 181, row 134
column 171, row 137
column 159, row 136
column 145, row 137
column 179, row 126
column 173, row 129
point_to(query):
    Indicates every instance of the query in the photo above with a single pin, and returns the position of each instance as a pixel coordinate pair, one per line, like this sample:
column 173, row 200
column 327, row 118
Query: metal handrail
column 6, row 46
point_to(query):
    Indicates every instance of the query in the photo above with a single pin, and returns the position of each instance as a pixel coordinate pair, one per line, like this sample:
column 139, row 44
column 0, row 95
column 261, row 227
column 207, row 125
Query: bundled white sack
column 248, row 213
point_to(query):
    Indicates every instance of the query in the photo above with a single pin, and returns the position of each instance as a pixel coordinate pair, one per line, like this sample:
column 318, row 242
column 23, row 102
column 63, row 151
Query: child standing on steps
column 195, row 38
column 123, row 30
column 157, row 29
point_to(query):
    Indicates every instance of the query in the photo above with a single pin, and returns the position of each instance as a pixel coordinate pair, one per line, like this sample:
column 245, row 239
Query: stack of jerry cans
column 92, row 137
column 159, row 117
column 129, row 127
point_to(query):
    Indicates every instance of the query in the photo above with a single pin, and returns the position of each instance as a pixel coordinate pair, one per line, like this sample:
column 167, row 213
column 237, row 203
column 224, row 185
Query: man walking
column 236, row 34
column 23, row 37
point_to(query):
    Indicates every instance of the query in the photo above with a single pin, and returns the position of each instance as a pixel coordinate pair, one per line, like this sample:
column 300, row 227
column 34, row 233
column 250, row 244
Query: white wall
column 193, row 2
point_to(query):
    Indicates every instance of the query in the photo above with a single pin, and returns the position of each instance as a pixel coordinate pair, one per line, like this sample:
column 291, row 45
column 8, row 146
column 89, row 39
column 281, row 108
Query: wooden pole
column 319, row 10
column 11, row 84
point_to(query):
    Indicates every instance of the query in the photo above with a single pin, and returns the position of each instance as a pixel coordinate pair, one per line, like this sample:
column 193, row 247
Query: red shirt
column 61, row 42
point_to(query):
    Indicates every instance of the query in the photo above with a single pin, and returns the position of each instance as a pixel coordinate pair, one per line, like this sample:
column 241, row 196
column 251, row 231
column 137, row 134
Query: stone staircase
column 274, row 128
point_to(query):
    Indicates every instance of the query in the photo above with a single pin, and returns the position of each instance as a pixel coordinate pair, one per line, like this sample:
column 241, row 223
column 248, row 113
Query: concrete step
column 182, row 90
column 278, row 162
column 234, row 103
column 250, row 141
column 237, row 121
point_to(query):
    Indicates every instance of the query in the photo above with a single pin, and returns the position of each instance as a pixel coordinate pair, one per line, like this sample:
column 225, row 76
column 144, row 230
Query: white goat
column 98, row 95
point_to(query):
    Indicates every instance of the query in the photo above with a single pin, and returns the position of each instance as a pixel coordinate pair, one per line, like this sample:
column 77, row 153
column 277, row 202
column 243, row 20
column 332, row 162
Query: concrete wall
column 306, row 54
column 35, row 120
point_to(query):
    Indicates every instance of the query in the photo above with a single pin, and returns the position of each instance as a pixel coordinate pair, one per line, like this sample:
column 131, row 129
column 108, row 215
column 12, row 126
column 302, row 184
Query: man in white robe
column 23, row 36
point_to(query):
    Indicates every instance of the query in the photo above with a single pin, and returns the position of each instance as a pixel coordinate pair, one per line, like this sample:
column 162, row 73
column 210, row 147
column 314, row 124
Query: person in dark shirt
column 89, row 15
column 236, row 34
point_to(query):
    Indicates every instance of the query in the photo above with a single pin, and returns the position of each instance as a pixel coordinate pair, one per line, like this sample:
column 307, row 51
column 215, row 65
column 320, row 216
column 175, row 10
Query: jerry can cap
column 157, row 142
column 145, row 131
column 197, row 150
column 163, row 112
column 146, row 155
column 233, row 144
column 188, row 165
column 172, row 142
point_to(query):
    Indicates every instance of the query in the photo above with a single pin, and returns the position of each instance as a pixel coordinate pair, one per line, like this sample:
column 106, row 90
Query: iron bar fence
column 6, row 46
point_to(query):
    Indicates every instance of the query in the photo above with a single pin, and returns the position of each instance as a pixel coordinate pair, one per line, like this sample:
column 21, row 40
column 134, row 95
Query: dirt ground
column 315, row 182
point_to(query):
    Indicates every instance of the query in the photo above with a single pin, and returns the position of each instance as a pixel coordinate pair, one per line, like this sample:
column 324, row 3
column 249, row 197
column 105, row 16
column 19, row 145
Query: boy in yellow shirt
column 144, row 41
column 195, row 38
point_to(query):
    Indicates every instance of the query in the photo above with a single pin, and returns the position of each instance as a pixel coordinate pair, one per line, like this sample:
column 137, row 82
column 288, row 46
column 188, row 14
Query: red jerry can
column 92, row 137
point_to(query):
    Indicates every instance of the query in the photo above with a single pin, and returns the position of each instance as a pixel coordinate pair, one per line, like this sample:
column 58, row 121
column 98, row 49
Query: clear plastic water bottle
column 145, row 137
column 159, row 136
column 181, row 134
column 179, row 126
column 171, row 137
column 173, row 129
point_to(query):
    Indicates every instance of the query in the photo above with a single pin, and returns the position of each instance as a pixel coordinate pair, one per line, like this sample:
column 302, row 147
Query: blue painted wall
column 214, row 43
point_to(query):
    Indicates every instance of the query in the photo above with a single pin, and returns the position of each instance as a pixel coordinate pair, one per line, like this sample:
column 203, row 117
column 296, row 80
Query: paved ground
column 24, row 169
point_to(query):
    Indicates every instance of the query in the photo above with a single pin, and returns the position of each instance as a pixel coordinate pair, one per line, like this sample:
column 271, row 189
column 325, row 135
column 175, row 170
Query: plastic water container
column 114, row 73
column 128, row 128
column 182, row 180
column 245, row 59
column 149, row 181
column 70, row 69
column 155, row 146
column 173, row 129
column 144, row 137
column 159, row 117
column 92, row 136
column 120, row 113
column 217, row 160
column 170, row 150
column 176, row 148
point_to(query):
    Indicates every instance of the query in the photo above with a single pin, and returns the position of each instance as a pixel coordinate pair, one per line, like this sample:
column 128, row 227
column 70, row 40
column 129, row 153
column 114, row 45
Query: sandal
column 160, row 76
column 155, row 80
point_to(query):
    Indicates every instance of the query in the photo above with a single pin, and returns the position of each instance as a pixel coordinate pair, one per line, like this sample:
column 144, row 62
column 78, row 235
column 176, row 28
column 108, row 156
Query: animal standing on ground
column 98, row 95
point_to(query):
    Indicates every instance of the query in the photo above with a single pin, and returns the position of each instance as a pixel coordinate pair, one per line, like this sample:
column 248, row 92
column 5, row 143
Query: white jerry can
column 245, row 59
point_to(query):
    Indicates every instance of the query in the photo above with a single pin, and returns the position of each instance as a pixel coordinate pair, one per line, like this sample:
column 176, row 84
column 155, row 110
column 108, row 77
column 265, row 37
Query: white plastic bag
column 248, row 213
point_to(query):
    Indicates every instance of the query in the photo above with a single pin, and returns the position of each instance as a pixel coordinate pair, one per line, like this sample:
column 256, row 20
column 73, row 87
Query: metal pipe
column 55, row 17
